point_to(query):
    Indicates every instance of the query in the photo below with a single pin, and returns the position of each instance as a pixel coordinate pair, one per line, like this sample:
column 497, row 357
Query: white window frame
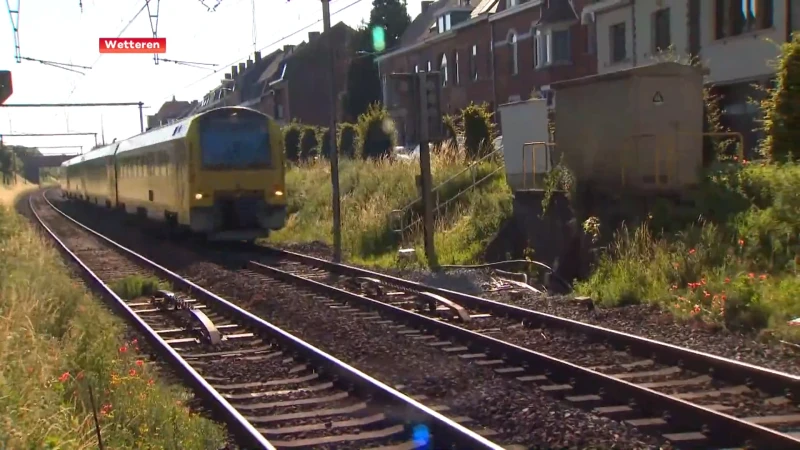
column 443, row 69
column 511, row 3
column 513, row 43
column 457, row 77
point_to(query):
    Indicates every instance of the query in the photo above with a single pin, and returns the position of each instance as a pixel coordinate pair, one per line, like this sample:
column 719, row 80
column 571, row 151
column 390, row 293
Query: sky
column 57, row 30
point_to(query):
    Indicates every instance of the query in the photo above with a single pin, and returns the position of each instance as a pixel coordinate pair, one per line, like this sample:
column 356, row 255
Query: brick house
column 300, row 86
column 494, row 51
column 731, row 38
column 169, row 112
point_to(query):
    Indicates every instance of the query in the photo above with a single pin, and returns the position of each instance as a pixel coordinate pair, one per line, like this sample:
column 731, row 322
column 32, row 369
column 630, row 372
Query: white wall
column 644, row 32
column 742, row 57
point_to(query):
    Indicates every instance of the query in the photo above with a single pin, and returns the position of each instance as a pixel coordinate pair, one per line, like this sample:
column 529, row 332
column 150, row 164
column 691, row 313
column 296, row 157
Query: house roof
column 173, row 108
column 420, row 27
column 485, row 6
column 558, row 11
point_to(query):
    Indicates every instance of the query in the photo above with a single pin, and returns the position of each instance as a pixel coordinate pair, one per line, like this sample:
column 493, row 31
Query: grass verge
column 56, row 343
column 372, row 189
column 736, row 266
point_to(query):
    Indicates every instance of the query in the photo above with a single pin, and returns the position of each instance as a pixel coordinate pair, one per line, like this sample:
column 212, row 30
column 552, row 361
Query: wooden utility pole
column 333, row 154
column 429, row 86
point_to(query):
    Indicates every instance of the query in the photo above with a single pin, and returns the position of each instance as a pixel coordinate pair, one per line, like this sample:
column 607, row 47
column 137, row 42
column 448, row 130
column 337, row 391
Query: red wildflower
column 703, row 281
column 134, row 341
column 64, row 377
column 692, row 251
column 706, row 294
column 727, row 280
column 763, row 276
column 132, row 372
column 696, row 309
column 751, row 275
column 741, row 242
column 123, row 349
column 105, row 409
column 150, row 382
column 139, row 362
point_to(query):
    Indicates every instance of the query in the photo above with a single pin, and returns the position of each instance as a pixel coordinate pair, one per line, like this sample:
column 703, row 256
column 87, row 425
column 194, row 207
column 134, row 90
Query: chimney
column 312, row 36
column 242, row 67
column 288, row 48
column 234, row 72
column 424, row 6
column 257, row 56
column 249, row 63
column 228, row 76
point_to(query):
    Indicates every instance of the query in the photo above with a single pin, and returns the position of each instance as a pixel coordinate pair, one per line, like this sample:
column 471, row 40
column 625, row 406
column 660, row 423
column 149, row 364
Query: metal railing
column 548, row 151
column 399, row 216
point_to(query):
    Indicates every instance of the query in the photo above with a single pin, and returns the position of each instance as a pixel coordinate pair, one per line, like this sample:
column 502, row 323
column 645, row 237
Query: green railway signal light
column 378, row 38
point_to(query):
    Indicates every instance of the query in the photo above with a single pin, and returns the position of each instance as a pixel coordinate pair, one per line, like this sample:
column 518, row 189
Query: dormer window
column 444, row 23
column 511, row 3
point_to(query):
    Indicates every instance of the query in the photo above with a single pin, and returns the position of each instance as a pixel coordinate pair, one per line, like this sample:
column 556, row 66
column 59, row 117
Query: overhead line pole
column 334, row 153
column 73, row 105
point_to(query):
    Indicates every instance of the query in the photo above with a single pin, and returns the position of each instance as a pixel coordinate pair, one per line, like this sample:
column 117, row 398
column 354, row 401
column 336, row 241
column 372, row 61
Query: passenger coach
column 219, row 174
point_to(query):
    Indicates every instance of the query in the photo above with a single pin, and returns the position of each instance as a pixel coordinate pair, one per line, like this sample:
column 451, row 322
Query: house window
column 441, row 24
column 561, row 43
column 735, row 17
column 535, row 47
column 443, row 69
column 661, row 33
column 447, row 22
column 416, row 68
column 473, row 62
column 511, row 3
column 619, row 50
column 430, row 68
column 279, row 111
column 512, row 42
column 457, row 70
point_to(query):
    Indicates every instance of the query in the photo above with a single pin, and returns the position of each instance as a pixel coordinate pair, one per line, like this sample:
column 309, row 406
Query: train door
column 115, row 177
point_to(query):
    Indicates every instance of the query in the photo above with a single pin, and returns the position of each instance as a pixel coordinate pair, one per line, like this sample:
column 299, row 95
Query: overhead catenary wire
column 276, row 42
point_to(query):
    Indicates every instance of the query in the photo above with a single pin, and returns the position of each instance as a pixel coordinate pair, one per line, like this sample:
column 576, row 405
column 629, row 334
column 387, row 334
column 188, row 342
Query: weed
column 135, row 286
column 57, row 341
column 736, row 266
column 372, row 188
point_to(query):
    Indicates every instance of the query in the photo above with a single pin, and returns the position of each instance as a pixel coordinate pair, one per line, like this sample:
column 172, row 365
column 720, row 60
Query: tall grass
column 736, row 266
column 371, row 189
column 55, row 343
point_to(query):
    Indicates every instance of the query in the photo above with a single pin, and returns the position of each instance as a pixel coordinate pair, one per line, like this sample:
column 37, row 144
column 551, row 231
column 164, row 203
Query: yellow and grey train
column 219, row 174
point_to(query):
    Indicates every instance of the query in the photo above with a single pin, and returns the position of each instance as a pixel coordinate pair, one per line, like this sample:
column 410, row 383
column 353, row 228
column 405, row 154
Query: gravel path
column 643, row 320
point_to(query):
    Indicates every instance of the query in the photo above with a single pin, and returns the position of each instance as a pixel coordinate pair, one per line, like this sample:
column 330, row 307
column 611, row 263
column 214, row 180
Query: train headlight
column 198, row 196
column 278, row 193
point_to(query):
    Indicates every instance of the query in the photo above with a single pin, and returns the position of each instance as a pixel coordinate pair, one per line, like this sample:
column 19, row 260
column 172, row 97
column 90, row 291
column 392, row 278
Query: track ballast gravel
column 519, row 413
column 643, row 320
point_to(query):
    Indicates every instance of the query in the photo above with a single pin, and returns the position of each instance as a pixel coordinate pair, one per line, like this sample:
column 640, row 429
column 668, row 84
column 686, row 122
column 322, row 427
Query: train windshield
column 235, row 142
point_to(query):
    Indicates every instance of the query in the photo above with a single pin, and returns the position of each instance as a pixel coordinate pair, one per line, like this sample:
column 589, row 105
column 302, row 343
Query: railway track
column 273, row 390
column 692, row 399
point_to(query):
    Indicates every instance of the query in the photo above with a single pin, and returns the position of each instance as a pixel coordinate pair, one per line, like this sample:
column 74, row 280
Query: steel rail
column 410, row 410
column 773, row 381
column 243, row 428
column 717, row 426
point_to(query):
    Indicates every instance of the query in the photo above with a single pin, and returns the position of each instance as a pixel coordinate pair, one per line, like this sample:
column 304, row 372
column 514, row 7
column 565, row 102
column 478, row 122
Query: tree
column 393, row 16
column 363, row 81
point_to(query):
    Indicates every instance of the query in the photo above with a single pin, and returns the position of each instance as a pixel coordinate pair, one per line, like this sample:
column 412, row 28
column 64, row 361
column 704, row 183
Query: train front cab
column 236, row 180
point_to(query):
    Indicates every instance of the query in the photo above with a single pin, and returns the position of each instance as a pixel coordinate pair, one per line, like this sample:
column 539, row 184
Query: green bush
column 781, row 115
column 347, row 139
column 377, row 135
column 450, row 129
column 291, row 141
column 324, row 140
column 478, row 128
column 309, row 145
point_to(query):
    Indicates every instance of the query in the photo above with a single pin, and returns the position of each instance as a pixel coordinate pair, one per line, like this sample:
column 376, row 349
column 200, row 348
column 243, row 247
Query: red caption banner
column 133, row 45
